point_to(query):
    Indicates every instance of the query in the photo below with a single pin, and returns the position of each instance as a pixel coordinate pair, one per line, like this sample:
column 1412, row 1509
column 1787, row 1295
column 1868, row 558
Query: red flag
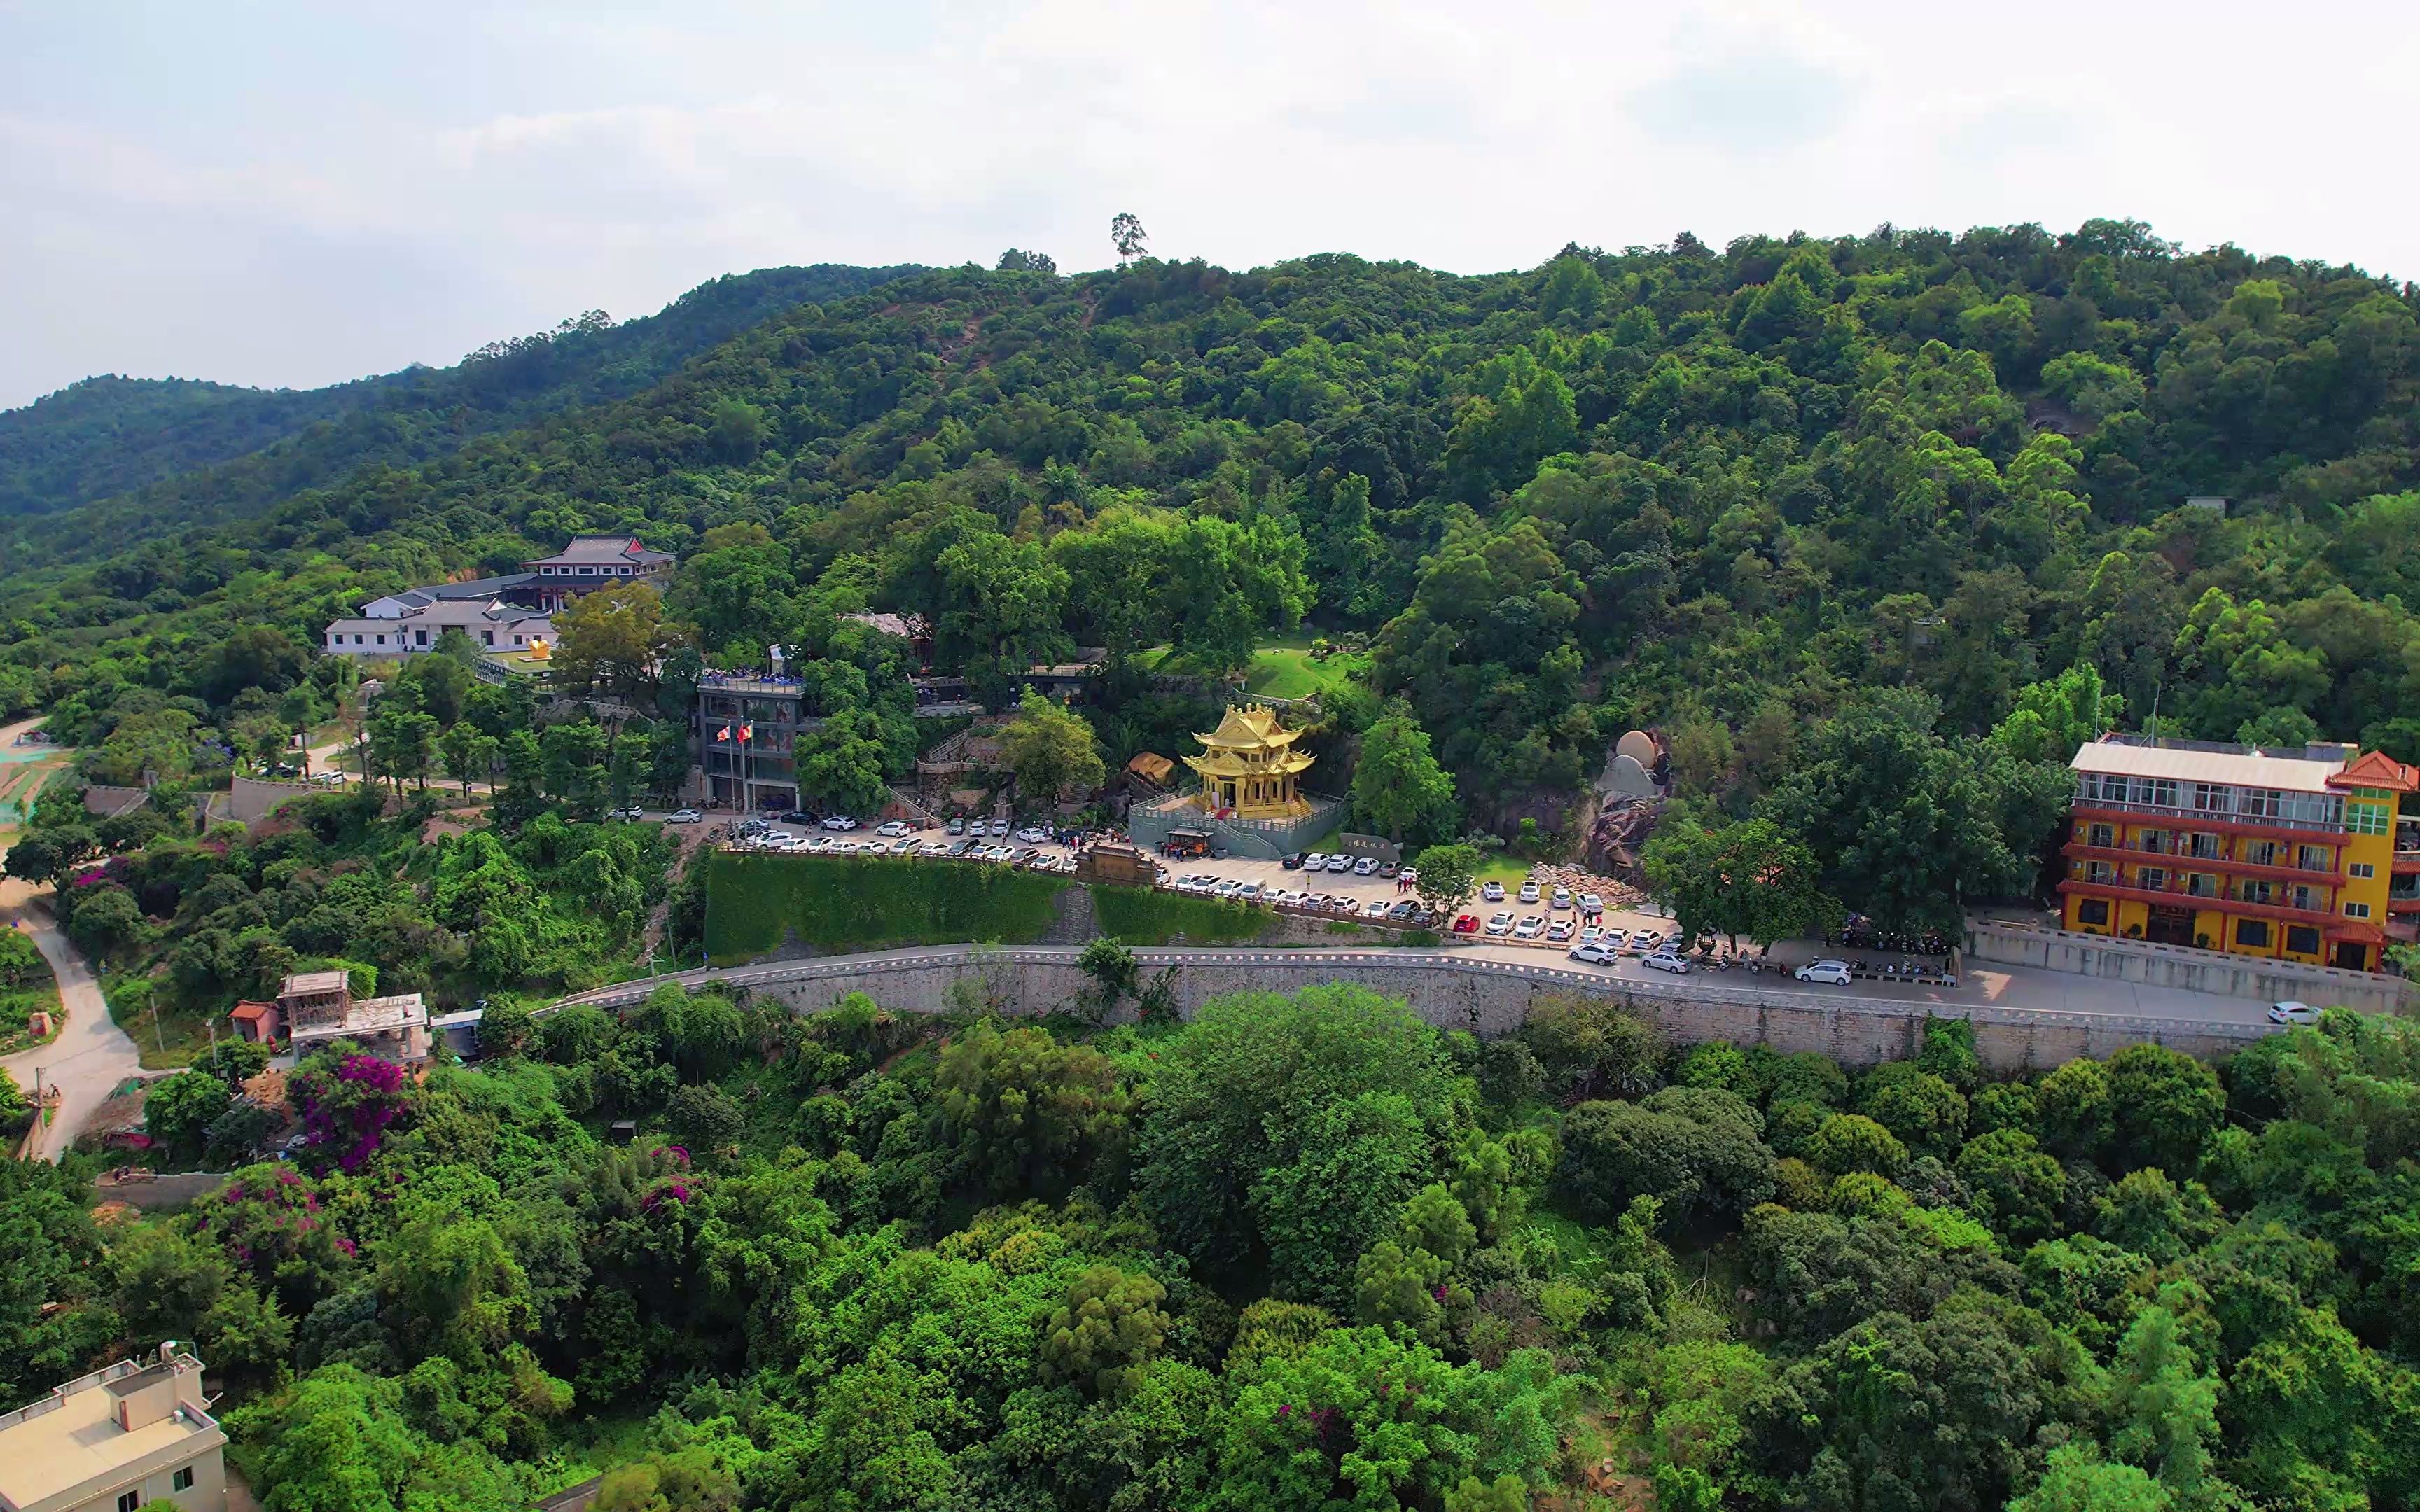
column 723, row 734
column 746, row 730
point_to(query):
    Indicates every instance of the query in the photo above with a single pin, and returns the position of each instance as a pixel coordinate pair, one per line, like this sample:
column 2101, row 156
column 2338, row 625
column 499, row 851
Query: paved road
column 91, row 1054
column 2054, row 995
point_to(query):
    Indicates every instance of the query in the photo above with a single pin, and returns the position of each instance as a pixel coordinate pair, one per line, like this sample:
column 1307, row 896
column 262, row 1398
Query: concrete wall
column 250, row 799
column 2177, row 965
column 1486, row 997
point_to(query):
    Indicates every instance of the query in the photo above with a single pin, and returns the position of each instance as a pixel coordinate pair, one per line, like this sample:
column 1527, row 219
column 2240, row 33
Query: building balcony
column 2186, row 860
column 2173, row 893
column 2258, row 829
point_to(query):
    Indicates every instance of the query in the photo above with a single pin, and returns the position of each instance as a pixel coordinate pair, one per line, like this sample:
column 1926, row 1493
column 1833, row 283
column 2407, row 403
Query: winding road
column 91, row 1054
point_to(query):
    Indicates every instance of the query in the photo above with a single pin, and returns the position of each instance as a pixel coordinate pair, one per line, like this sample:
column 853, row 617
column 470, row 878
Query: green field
column 756, row 902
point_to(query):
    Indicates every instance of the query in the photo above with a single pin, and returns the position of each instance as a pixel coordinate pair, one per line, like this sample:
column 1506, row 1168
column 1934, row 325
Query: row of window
column 2202, row 884
column 2203, row 847
column 2316, row 811
column 419, row 638
column 587, row 572
column 2250, row 934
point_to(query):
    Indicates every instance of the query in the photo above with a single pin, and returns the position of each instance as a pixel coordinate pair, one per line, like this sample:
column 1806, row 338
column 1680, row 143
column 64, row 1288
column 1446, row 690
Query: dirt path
column 91, row 1054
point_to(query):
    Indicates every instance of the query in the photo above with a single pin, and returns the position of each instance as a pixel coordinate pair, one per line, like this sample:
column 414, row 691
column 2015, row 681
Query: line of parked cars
column 1366, row 866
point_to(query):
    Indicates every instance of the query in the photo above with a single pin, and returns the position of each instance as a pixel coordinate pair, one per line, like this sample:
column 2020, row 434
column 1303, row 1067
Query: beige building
column 320, row 1007
column 137, row 1431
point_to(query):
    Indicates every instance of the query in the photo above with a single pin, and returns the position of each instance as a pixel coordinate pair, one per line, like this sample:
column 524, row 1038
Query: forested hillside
column 1722, row 491
column 112, row 436
column 1302, row 1254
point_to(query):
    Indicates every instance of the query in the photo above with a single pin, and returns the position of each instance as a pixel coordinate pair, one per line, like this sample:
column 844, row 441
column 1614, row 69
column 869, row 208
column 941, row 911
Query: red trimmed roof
column 2357, row 931
column 251, row 1012
column 2377, row 769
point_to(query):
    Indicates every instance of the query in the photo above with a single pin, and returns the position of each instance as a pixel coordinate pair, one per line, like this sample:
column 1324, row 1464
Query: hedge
column 1148, row 915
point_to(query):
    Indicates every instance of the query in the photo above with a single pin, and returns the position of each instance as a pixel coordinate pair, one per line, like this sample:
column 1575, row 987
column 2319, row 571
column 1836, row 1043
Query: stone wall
column 1487, row 996
column 251, row 799
column 2177, row 966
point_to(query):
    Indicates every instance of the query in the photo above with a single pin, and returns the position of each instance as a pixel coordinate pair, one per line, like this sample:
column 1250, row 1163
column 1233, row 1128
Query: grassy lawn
column 1505, row 868
column 166, row 1036
column 35, row 992
column 1281, row 669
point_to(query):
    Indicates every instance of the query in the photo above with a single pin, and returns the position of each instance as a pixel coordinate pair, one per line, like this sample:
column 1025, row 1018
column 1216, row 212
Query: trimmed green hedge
column 845, row 902
column 755, row 902
column 1148, row 915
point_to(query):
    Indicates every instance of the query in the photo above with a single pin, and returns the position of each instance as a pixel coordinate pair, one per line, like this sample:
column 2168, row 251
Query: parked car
column 1340, row 863
column 1316, row 861
column 839, row 821
column 1645, row 942
column 1401, row 913
column 1591, row 903
column 1034, row 835
column 1835, row 972
column 998, row 827
column 2290, row 1012
column 1529, row 891
column 891, row 828
column 1595, row 952
column 960, row 847
column 957, row 826
column 631, row 813
column 1560, row 931
column 1529, row 927
column 1467, row 924
column 1376, row 908
column 1666, row 961
column 1493, row 892
column 1501, row 922
column 1593, row 932
column 1366, row 867
column 902, row 845
column 1389, row 870
column 684, row 816
column 1563, row 898
column 1248, row 891
column 1225, row 887
column 1293, row 862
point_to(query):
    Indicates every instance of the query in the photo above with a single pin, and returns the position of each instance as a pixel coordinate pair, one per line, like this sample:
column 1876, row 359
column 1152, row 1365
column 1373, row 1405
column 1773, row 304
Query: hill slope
column 230, row 450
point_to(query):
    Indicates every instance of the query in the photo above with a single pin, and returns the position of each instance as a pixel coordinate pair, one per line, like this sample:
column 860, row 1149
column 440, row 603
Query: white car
column 1316, row 861
column 818, row 842
column 1835, row 972
column 1563, row 898
column 840, row 822
column 630, row 813
column 1493, row 892
column 1595, row 952
column 1646, row 942
column 1666, row 961
column 1591, row 903
column 684, row 816
column 1530, row 892
column 1366, row 867
column 1034, row 835
column 1248, row 891
column 1227, row 888
column 902, row 846
column 1376, row 908
column 1501, row 922
column 1340, row 863
column 2290, row 1012
column 1529, row 927
column 999, row 827
column 894, row 828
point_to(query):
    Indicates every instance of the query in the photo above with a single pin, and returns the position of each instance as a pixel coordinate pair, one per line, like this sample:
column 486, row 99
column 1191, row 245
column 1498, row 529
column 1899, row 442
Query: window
column 2202, row 884
column 420, row 638
column 2255, row 892
column 487, row 637
column 2152, row 878
column 2314, row 858
column 182, row 1480
column 2259, row 803
column 2252, row 933
column 2093, row 911
column 2259, row 852
column 2302, row 939
column 2100, row 835
column 381, row 640
column 129, row 1501
column 2367, row 818
column 2211, row 797
column 2304, row 897
column 2364, row 870
column 2356, row 910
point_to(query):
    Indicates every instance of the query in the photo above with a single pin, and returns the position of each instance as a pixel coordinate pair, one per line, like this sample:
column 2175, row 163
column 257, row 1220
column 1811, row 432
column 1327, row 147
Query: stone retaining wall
column 2177, row 966
column 1487, row 996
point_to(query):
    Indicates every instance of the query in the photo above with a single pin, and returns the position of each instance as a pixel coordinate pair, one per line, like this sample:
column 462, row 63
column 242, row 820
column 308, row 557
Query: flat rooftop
column 313, row 982
column 71, row 1437
column 371, row 1015
column 2233, row 766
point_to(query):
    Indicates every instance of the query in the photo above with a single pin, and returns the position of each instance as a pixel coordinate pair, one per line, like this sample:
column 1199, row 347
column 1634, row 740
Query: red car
column 1467, row 924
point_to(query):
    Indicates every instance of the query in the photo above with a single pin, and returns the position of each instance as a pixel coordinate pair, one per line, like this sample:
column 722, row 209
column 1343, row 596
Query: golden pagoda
column 1248, row 765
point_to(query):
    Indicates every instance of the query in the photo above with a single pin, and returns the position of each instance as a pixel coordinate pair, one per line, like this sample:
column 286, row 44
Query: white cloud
column 298, row 197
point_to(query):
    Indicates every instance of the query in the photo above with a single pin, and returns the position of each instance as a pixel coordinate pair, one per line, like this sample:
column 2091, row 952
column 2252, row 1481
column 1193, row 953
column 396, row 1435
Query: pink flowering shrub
column 350, row 1110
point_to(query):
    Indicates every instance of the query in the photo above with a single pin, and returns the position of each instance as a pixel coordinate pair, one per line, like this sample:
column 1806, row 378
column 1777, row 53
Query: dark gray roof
column 601, row 549
column 478, row 587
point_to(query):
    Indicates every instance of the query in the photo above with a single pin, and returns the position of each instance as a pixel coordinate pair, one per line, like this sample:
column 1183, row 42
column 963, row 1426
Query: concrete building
column 594, row 562
column 136, row 1431
column 490, row 611
column 748, row 731
column 319, row 1008
column 2284, row 854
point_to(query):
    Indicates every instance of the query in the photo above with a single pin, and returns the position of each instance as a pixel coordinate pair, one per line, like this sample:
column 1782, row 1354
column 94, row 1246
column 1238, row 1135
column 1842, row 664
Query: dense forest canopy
column 1720, row 490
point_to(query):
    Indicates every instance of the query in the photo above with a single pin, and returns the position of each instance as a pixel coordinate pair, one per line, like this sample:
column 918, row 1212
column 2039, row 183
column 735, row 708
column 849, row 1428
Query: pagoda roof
column 1229, row 764
column 1250, row 727
column 2377, row 769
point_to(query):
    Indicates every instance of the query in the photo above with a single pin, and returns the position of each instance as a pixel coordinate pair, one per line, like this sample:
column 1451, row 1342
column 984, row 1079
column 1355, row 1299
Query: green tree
column 1448, row 877
column 1051, row 749
column 1397, row 787
column 1745, row 877
column 1110, row 1323
column 179, row 1110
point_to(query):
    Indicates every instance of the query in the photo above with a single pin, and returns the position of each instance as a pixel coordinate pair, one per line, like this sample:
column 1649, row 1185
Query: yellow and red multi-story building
column 2290, row 856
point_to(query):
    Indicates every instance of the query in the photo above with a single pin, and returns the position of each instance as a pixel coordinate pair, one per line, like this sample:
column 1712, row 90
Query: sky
column 289, row 195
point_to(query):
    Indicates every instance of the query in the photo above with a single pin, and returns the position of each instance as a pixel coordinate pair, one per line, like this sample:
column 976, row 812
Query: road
column 2015, row 988
column 91, row 1054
